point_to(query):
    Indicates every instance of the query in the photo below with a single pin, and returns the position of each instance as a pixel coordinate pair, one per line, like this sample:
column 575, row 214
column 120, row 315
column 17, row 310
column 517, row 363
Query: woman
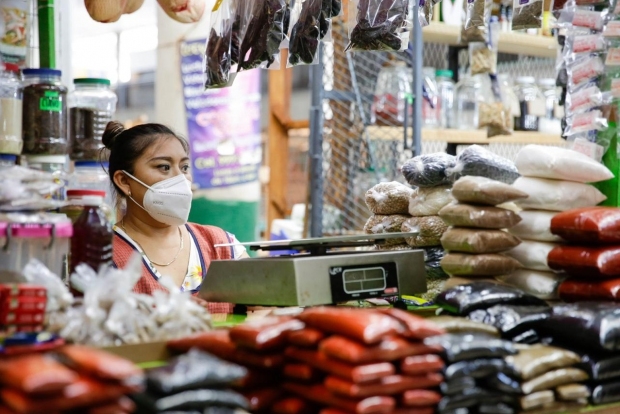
column 149, row 166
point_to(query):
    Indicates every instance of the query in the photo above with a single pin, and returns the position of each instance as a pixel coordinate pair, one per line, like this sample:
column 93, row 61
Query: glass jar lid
column 41, row 72
column 91, row 81
column 444, row 73
column 526, row 79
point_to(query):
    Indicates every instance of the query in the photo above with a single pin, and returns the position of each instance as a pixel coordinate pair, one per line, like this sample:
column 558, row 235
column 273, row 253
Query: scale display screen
column 363, row 281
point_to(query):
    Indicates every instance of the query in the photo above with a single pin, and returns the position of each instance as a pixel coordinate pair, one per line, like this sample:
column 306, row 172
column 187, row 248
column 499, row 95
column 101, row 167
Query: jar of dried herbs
column 44, row 119
column 92, row 105
column 10, row 110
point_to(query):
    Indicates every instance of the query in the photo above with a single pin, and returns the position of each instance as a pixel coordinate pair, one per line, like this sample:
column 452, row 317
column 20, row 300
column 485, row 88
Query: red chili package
column 123, row 406
column 416, row 326
column 581, row 261
column 588, row 225
column 293, row 405
column 320, row 395
column 263, row 399
column 23, row 290
column 35, row 374
column 306, row 338
column 363, row 325
column 265, row 334
column 573, row 290
column 420, row 364
column 421, row 398
column 390, row 349
column 100, row 364
column 301, row 372
column 357, row 374
column 257, row 379
column 390, row 385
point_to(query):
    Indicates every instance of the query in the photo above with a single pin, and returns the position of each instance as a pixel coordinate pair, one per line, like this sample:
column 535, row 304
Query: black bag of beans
column 428, row 170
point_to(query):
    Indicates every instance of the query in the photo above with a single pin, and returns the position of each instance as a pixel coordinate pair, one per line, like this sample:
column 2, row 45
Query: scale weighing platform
column 319, row 274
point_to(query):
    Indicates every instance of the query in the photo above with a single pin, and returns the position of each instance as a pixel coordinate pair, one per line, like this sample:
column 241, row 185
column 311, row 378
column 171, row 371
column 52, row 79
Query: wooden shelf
column 455, row 136
column 513, row 42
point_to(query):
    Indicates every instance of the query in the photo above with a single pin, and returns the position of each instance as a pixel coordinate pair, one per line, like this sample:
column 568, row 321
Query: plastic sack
column 432, row 262
column 428, row 201
column 477, row 13
column 425, row 12
column 305, row 33
column 457, row 385
column 463, row 347
column 482, row 190
column 503, row 383
column 471, row 399
column 380, row 224
column 535, row 225
column 461, row 264
column 590, row 19
column 422, row 364
column 36, row 374
column 428, row 170
column 537, row 399
column 389, row 198
column 584, row 122
column 389, row 349
column 511, row 320
column 58, row 295
column 266, row 334
column 478, row 368
column 415, row 327
column 199, row 400
column 584, row 71
column 544, row 285
column 572, row 392
column 264, row 33
column 557, row 195
column 552, row 379
column 600, row 366
column 320, row 395
column 482, row 58
column 594, row 225
column 478, row 161
column 100, row 364
column 457, row 239
column 586, row 262
column 218, row 59
column 572, row 290
column 378, row 25
column 306, row 338
column 606, row 393
column 464, row 299
column 420, row 398
column 453, row 324
column 527, row 14
column 585, row 99
column 483, row 217
column 391, row 385
column 302, row 372
column 474, row 33
column 532, row 255
column 536, row 360
column 430, row 229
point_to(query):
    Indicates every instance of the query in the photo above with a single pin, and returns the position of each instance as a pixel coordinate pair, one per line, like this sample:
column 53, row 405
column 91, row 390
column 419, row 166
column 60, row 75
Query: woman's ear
column 121, row 181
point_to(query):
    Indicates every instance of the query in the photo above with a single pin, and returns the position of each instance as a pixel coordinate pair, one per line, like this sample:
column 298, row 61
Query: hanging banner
column 223, row 125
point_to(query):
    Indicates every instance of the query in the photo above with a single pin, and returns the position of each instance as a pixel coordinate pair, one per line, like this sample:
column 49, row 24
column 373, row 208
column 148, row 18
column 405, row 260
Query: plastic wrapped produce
column 36, row 374
column 422, row 364
column 482, row 190
column 264, row 33
column 428, row 170
column 478, row 368
column 478, row 161
column 489, row 264
column 463, row 347
column 391, row 385
column 458, row 239
column 536, row 360
column 100, row 364
column 586, row 262
column 600, row 366
column 415, row 327
column 428, row 201
column 457, row 385
column 532, row 255
column 483, row 217
column 503, row 383
column 557, row 195
column 430, row 229
column 606, row 393
column 266, row 334
column 511, row 320
column 380, row 224
column 572, row 392
column 537, row 399
column 464, row 299
column 472, row 398
column 453, row 324
column 307, row 337
column 543, row 285
column 378, row 25
column 307, row 27
column 420, row 398
column 218, row 59
column 592, row 225
column 535, row 225
column 389, row 198
column 432, row 262
column 389, row 349
column 572, row 290
column 552, row 379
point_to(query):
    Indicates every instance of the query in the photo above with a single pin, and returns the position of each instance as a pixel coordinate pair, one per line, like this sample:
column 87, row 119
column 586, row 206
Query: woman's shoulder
column 211, row 232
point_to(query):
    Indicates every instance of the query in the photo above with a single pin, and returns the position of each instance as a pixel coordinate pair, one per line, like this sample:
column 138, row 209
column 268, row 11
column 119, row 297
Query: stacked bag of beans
column 333, row 360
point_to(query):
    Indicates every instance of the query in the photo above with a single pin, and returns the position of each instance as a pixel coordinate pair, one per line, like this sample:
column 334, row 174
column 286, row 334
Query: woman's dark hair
column 127, row 145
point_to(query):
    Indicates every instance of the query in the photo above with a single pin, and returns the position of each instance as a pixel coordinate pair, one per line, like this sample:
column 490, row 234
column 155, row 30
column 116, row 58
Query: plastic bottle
column 11, row 110
column 445, row 92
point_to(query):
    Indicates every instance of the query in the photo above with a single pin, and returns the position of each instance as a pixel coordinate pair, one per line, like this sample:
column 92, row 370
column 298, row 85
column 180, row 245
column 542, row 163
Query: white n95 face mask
column 167, row 201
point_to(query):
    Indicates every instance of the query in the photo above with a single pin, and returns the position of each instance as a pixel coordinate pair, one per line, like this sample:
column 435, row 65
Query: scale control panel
column 363, row 281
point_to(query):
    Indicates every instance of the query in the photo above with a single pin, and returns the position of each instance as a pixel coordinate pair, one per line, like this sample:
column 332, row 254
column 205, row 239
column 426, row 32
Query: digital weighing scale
column 318, row 274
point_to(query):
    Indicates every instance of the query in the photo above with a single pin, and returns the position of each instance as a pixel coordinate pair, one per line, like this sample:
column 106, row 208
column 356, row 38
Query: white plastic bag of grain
column 381, row 224
column 389, row 198
column 543, row 285
column 428, row 201
column 532, row 254
column 535, row 225
column 560, row 164
column 556, row 195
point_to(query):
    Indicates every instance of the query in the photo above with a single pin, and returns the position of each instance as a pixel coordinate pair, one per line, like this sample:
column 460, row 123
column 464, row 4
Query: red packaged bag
column 265, row 334
column 263, row 399
column 23, row 290
column 421, row 364
column 592, row 225
column 15, row 350
column 362, row 325
column 22, row 318
column 356, row 374
column 35, row 374
column 123, row 406
column 390, row 385
column 306, row 338
column 100, row 364
column 257, row 379
column 24, row 304
column 416, row 326
column 421, row 398
column 293, row 405
column 415, row 410
column 586, row 262
column 389, row 349
column 301, row 372
column 573, row 290
column 320, row 395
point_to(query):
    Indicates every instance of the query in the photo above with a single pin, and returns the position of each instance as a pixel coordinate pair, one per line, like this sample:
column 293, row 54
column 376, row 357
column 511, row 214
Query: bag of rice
column 430, row 230
column 479, row 161
column 428, row 170
column 380, row 224
column 459, row 239
column 389, row 198
column 532, row 255
column 428, row 201
column 460, row 264
column 555, row 195
column 483, row 217
column 482, row 190
column 535, row 225
column 543, row 285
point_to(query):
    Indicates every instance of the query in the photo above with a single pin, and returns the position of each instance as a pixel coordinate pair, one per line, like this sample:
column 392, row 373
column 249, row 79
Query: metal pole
column 316, row 148
column 416, row 122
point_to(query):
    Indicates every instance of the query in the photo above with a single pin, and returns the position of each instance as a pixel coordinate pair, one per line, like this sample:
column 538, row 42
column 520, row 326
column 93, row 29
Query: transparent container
column 10, row 111
column 76, row 200
column 7, row 160
column 430, row 108
column 466, row 106
column 44, row 127
column 549, row 123
column 92, row 175
column 391, row 94
column 92, row 105
column 55, row 164
column 531, row 104
column 445, row 102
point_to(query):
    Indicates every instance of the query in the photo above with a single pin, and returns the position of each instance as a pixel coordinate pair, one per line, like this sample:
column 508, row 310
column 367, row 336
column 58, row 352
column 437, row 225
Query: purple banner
column 223, row 125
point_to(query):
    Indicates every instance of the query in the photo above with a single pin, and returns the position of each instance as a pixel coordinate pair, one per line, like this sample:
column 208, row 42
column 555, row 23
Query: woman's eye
column 185, row 168
column 164, row 167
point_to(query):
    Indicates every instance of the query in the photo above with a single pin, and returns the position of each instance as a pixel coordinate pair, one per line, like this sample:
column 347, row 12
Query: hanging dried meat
column 379, row 25
column 265, row 32
column 310, row 26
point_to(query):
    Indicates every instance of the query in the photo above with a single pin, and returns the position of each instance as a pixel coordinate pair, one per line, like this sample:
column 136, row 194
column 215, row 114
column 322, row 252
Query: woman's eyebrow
column 169, row 159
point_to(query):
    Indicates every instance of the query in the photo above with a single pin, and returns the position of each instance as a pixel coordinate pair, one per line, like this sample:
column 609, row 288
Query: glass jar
column 445, row 103
column 92, row 105
column 531, row 104
column 76, row 200
column 55, row 164
column 91, row 175
column 391, row 94
column 549, row 92
column 10, row 111
column 430, row 109
column 467, row 96
column 44, row 113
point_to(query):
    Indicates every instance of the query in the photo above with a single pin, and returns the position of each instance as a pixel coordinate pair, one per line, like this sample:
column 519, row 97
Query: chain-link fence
column 356, row 153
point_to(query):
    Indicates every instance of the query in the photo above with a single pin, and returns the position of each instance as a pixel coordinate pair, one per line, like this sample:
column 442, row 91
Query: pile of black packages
column 477, row 377
column 432, row 260
column 428, row 170
column 479, row 161
column 265, row 31
column 309, row 26
column 193, row 382
column 515, row 322
column 380, row 25
column 218, row 54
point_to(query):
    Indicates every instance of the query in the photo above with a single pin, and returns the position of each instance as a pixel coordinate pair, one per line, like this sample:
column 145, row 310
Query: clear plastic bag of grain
column 429, row 228
column 381, row 224
column 389, row 198
column 428, row 201
column 428, row 170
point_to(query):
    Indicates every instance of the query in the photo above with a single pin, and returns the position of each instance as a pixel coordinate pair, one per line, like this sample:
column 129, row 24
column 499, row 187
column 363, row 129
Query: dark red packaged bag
column 306, row 338
column 15, row 350
column 592, row 225
column 257, row 378
column 265, row 334
column 572, row 290
column 123, row 406
column 416, row 327
column 302, row 372
column 293, row 405
column 417, row 410
column 421, row 364
column 263, row 399
column 24, row 304
column 421, row 398
column 390, row 385
column 22, row 317
column 35, row 374
column 362, row 325
column 389, row 349
column 320, row 395
column 22, row 290
column 100, row 364
column 357, row 374
column 585, row 262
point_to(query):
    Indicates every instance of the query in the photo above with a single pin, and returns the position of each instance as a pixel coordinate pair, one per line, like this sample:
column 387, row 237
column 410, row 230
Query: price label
column 50, row 102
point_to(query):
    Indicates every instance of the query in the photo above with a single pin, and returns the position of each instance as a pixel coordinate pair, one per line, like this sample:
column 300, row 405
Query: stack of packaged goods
column 341, row 360
column 22, row 308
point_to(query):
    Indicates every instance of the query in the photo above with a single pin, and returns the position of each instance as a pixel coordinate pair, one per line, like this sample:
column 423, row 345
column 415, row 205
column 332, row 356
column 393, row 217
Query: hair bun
column 111, row 133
